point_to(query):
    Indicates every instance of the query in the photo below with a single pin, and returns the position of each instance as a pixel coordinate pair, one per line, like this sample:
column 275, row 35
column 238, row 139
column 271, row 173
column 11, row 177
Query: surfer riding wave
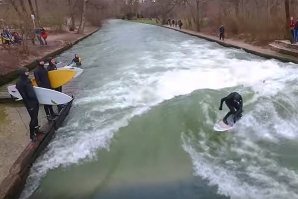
column 235, row 103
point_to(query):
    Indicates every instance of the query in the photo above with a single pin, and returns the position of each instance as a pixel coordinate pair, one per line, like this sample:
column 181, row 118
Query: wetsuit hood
column 22, row 72
column 237, row 98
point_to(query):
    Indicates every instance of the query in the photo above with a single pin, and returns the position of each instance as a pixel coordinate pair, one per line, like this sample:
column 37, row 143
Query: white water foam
column 251, row 172
column 227, row 177
column 112, row 106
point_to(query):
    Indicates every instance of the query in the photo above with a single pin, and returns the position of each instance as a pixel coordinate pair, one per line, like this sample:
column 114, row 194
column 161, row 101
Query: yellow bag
column 80, row 59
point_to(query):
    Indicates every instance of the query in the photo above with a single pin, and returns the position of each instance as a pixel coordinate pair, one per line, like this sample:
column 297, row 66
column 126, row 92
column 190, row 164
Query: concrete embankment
column 13, row 173
column 262, row 52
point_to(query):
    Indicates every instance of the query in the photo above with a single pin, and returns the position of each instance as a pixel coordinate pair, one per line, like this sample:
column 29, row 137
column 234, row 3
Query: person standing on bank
column 42, row 80
column 30, row 101
column 52, row 66
column 222, row 33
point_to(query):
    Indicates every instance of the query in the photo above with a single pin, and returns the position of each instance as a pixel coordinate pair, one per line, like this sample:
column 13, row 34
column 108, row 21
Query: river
column 142, row 122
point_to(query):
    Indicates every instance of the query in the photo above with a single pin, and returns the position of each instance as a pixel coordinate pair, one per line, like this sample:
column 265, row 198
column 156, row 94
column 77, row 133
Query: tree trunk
column 16, row 9
column 37, row 12
column 82, row 22
column 288, row 34
column 23, row 7
column 72, row 23
column 31, row 7
column 197, row 20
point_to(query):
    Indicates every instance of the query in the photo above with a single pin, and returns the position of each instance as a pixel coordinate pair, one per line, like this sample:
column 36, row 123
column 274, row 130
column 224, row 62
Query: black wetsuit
column 51, row 67
column 222, row 33
column 31, row 103
column 77, row 61
column 42, row 80
column 235, row 103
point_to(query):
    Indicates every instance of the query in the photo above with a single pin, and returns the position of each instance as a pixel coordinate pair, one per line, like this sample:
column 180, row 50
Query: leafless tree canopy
column 261, row 20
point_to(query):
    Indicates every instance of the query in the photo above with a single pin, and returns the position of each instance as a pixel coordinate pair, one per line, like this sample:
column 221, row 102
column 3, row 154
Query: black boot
column 49, row 118
column 33, row 137
column 37, row 130
column 54, row 115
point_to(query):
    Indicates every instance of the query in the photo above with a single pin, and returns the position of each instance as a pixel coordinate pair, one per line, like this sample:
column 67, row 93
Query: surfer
column 42, row 80
column 77, row 60
column 52, row 66
column 30, row 101
column 235, row 104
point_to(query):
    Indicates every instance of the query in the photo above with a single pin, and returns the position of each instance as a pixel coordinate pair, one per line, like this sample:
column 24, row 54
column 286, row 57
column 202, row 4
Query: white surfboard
column 221, row 126
column 79, row 71
column 44, row 96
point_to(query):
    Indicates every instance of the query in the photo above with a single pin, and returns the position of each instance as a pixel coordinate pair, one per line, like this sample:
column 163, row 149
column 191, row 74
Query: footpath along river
column 142, row 122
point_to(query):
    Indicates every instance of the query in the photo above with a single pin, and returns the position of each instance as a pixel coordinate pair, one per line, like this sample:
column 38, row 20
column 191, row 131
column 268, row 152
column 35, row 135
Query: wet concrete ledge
column 266, row 53
column 4, row 79
column 13, row 184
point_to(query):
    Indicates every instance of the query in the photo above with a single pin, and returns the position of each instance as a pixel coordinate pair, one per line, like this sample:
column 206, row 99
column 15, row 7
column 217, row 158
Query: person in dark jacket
column 42, row 80
column 76, row 60
column 222, row 33
column 52, row 66
column 180, row 24
column 30, row 101
column 296, row 31
column 235, row 104
column 292, row 26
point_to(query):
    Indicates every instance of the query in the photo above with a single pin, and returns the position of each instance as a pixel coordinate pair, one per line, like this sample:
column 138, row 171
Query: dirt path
column 11, row 59
column 14, row 134
column 262, row 51
column 14, row 118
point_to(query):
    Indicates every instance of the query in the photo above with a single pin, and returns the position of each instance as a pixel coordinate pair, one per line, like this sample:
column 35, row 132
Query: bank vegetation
column 256, row 21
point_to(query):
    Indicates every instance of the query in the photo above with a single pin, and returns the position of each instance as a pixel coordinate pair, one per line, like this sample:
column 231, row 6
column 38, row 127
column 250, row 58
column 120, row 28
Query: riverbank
column 257, row 50
column 11, row 59
column 263, row 51
column 17, row 150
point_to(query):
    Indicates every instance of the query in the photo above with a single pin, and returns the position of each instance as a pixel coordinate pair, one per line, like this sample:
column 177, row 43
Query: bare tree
column 37, row 12
column 194, row 6
column 72, row 4
column 31, row 7
column 82, row 22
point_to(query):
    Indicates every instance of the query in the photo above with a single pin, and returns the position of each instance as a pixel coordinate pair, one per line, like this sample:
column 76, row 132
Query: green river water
column 142, row 122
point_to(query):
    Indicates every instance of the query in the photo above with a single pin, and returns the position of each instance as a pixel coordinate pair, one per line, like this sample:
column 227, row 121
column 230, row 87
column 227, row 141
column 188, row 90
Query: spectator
column 30, row 101
column 169, row 22
column 180, row 24
column 52, row 66
column 222, row 33
column 292, row 26
column 38, row 35
column 44, row 35
column 42, row 80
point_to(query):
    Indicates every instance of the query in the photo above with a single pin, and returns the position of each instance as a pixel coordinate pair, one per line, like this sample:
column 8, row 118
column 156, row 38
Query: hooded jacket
column 41, row 77
column 51, row 66
column 27, row 92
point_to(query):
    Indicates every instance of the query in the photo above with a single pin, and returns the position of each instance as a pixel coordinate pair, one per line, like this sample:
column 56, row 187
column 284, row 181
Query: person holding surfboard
column 31, row 103
column 77, row 60
column 235, row 104
column 52, row 66
column 42, row 80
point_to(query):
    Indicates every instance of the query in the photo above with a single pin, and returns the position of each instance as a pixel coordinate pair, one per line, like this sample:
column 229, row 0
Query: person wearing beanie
column 25, row 88
column 52, row 66
column 42, row 80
